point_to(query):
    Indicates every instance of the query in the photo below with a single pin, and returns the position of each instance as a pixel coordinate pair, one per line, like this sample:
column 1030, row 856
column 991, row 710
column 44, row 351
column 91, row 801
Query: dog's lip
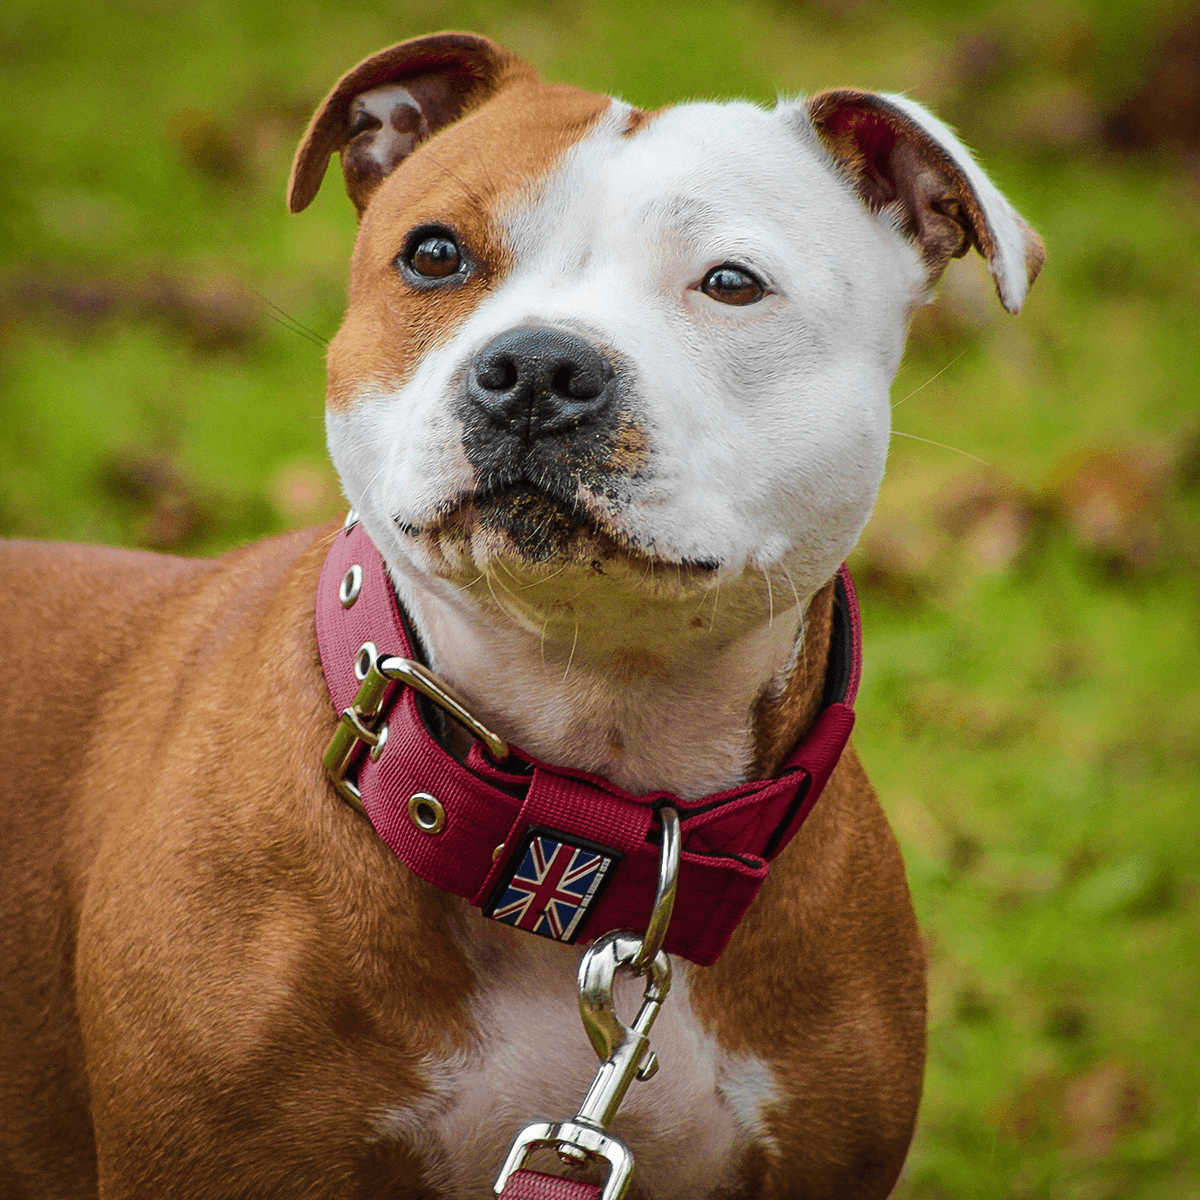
column 545, row 489
column 468, row 501
column 593, row 522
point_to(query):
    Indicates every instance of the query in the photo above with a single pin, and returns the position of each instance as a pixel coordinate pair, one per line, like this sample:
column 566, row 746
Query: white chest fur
column 688, row 1126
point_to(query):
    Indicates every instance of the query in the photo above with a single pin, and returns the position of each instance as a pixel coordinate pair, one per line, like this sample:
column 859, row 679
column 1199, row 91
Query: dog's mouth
column 544, row 523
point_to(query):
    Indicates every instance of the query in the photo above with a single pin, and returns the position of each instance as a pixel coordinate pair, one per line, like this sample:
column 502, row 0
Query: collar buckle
column 361, row 724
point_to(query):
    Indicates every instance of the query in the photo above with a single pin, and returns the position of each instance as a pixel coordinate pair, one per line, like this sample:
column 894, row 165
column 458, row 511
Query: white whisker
column 930, row 379
column 571, row 656
column 942, row 445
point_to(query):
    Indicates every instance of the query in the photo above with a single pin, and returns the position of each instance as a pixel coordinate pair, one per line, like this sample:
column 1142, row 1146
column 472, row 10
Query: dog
column 610, row 403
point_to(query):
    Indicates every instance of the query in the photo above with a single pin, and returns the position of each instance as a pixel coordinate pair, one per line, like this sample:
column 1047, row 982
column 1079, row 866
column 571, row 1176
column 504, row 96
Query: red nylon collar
column 529, row 807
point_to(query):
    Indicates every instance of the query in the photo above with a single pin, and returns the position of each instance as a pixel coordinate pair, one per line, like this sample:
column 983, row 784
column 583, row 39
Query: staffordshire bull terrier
column 610, row 403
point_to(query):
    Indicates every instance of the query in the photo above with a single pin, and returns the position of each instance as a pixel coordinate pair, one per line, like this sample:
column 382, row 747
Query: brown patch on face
column 782, row 719
column 637, row 119
column 458, row 180
column 630, row 449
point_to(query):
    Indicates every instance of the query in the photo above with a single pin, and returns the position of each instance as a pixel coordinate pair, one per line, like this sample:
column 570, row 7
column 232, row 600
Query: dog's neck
column 675, row 704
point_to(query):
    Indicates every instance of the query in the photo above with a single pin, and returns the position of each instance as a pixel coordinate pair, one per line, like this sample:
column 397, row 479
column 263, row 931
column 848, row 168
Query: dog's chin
column 529, row 536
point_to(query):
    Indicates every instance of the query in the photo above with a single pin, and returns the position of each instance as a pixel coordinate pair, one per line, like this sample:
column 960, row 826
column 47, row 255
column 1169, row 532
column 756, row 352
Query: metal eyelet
column 364, row 660
column 351, row 585
column 426, row 812
column 350, row 521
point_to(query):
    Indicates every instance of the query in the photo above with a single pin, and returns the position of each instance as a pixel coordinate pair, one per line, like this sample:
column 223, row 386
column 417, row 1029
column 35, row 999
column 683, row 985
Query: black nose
column 540, row 382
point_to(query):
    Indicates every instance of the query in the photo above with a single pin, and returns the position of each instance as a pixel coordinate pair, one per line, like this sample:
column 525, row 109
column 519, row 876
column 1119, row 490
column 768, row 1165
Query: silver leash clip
column 624, row 1050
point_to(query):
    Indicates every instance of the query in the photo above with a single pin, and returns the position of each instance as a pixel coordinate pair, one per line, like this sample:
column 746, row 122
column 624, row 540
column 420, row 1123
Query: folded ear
column 378, row 113
column 902, row 159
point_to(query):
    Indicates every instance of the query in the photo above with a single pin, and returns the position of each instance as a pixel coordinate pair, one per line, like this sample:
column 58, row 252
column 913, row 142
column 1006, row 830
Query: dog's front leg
column 825, row 982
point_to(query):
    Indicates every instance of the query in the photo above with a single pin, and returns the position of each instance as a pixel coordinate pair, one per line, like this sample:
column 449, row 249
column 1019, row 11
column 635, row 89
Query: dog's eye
column 436, row 257
column 732, row 284
column 433, row 254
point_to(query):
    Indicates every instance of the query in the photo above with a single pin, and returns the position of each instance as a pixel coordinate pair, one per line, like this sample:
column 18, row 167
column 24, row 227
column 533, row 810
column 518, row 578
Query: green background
column 1030, row 710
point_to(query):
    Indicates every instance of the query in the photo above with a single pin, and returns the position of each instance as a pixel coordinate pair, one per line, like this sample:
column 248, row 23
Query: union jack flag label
column 554, row 885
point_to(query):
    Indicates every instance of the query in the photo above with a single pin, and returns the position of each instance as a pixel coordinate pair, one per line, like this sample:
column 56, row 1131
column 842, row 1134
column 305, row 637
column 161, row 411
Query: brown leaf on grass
column 1112, row 501
column 211, row 314
column 209, row 147
column 172, row 514
column 1085, row 1113
column 305, row 492
column 1100, row 1105
column 976, row 524
column 231, row 151
column 991, row 518
column 1031, row 1117
column 981, row 57
column 1060, row 116
column 1165, row 110
column 173, row 521
column 896, row 554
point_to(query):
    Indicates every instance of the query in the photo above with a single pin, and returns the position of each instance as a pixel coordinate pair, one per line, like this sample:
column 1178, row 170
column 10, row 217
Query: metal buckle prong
column 357, row 726
column 420, row 677
column 664, row 898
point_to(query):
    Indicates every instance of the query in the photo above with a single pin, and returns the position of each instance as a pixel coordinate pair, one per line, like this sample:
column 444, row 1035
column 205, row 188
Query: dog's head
column 584, row 338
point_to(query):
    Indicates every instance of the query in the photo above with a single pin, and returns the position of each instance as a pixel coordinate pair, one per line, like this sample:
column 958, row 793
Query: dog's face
column 654, row 349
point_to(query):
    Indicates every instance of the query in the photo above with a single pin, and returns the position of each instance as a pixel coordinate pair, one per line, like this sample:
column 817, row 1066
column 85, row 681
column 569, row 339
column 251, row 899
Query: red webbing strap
column 533, row 1185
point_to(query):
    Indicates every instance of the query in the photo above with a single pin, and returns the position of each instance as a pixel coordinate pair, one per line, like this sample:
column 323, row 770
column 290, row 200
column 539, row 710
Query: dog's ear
column 903, row 159
column 379, row 112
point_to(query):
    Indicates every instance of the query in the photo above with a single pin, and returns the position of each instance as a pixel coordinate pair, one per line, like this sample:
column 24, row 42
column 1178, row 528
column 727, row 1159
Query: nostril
column 498, row 374
column 562, row 380
column 581, row 378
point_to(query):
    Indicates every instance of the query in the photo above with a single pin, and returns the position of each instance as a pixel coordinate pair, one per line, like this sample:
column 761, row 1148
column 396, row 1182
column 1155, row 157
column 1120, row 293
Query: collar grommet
column 350, row 586
column 425, row 811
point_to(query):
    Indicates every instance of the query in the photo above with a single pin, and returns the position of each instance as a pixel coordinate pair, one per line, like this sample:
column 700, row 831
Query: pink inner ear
column 874, row 142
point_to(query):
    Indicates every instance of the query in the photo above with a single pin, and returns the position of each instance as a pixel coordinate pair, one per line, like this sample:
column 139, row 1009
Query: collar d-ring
column 664, row 897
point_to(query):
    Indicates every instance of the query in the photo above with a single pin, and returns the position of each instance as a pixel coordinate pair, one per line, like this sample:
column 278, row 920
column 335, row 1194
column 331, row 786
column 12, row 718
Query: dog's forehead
column 691, row 173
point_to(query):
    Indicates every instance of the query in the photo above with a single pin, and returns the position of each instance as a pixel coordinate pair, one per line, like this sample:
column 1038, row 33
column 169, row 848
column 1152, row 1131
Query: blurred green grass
column 1030, row 709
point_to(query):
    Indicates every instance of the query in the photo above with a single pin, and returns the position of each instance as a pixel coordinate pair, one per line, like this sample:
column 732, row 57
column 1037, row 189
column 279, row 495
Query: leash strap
column 557, row 852
column 534, row 1185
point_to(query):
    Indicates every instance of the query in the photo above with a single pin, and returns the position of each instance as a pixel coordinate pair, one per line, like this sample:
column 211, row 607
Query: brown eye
column 432, row 256
column 733, row 285
column 436, row 257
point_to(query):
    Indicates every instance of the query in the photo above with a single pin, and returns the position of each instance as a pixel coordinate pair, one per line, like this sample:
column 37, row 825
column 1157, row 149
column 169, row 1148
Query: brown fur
column 223, row 974
column 782, row 718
